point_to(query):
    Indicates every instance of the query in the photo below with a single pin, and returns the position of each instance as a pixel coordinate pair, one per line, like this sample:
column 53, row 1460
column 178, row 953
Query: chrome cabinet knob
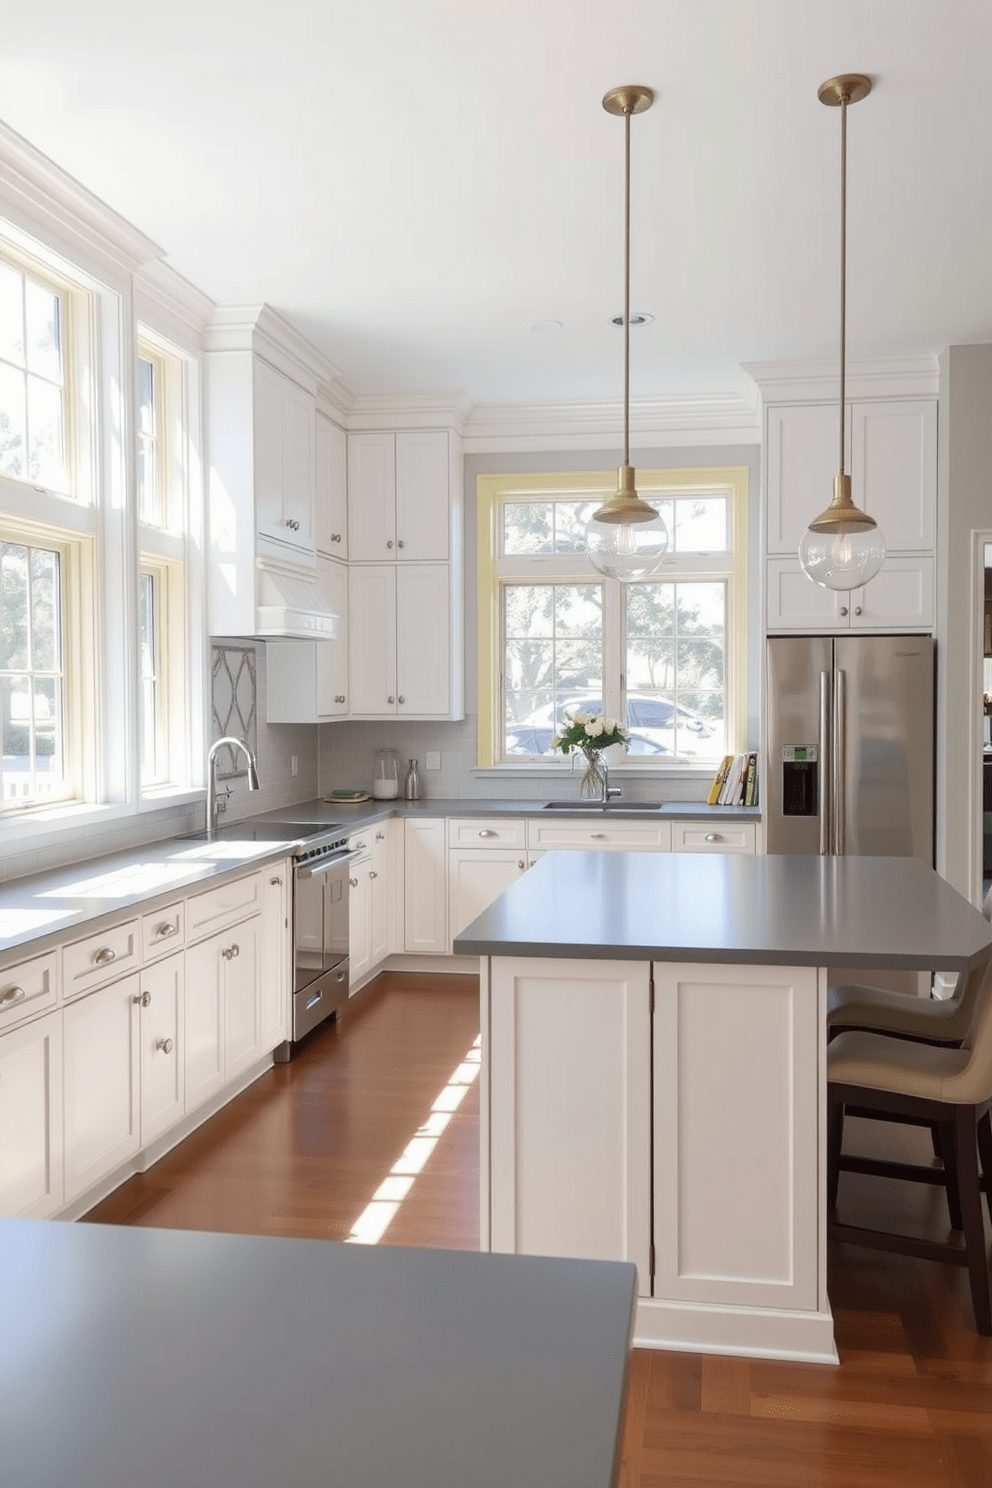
column 231, row 951
column 339, row 697
column 401, row 699
column 104, row 956
column 857, row 610
column 165, row 1044
column 390, row 699
column 521, row 863
column 400, row 543
column 389, row 542
column 292, row 524
column 372, row 873
column 12, row 996
column 335, row 537
column 353, row 882
column 843, row 609
column 380, row 836
column 143, row 999
column 274, row 881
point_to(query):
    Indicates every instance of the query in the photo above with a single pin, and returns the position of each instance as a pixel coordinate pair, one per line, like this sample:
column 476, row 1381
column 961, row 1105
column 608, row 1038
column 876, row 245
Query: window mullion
column 614, row 663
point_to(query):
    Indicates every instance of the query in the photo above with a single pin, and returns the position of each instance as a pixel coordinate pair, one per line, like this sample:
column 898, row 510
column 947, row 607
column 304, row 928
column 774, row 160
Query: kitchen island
column 654, row 1071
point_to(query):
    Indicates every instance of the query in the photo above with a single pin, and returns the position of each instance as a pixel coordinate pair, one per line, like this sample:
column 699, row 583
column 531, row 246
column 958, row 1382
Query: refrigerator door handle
column 822, row 771
column 840, row 761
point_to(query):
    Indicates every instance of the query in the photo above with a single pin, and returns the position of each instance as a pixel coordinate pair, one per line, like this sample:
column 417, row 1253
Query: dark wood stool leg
column 835, row 1139
column 966, row 1155
column 938, row 1150
column 985, row 1153
column 947, row 1153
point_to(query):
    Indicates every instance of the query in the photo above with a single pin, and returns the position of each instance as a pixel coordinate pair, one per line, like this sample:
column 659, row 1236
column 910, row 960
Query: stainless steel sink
column 628, row 808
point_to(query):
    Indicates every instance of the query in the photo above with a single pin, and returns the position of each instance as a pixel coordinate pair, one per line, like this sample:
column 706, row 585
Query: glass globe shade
column 626, row 550
column 842, row 559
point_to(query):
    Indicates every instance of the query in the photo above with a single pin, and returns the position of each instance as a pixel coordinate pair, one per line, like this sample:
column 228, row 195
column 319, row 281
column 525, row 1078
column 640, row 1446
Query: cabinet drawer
column 633, row 835
column 222, row 906
column 28, row 988
column 100, row 958
column 162, row 931
column 361, row 841
column 471, row 831
column 725, row 837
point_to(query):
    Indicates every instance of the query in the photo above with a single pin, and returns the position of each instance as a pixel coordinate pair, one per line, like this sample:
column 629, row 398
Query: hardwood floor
column 318, row 1146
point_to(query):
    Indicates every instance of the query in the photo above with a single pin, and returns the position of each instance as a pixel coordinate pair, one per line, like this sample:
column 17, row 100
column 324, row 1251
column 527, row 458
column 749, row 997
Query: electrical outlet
column 294, row 764
column 433, row 759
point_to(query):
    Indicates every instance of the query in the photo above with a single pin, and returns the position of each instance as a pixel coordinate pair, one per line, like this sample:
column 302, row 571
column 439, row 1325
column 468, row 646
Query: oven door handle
column 329, row 863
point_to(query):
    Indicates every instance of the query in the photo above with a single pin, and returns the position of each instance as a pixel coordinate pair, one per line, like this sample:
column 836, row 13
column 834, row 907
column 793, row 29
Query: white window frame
column 495, row 571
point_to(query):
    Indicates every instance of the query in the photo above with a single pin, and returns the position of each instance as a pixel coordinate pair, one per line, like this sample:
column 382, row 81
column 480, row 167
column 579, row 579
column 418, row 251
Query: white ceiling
column 413, row 182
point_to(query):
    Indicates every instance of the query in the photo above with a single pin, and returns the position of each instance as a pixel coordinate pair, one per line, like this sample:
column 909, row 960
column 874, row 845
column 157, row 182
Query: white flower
column 582, row 718
column 594, row 727
column 556, row 743
column 609, row 724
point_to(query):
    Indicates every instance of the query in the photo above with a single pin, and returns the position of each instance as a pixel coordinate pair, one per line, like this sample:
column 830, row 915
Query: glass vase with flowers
column 590, row 734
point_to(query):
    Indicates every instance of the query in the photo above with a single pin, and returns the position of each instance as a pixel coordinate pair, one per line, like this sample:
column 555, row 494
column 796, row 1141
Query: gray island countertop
column 777, row 910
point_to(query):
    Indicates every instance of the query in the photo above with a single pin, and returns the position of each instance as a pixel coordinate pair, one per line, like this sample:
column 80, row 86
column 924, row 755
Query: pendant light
column 842, row 548
column 626, row 538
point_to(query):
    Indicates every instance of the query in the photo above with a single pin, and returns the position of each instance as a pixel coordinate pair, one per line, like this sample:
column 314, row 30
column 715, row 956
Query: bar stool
column 901, row 1015
column 909, row 1081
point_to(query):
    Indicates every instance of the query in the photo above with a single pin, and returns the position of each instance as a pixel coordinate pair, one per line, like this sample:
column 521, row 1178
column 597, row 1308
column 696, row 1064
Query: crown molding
column 724, row 418
column 410, row 411
column 817, row 381
column 168, row 303
column 262, row 329
column 44, row 201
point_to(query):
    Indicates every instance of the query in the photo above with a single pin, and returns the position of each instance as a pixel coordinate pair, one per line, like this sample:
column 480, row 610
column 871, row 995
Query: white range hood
column 294, row 605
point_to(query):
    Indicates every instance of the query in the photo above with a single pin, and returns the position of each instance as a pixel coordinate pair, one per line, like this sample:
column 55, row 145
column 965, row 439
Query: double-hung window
column 664, row 654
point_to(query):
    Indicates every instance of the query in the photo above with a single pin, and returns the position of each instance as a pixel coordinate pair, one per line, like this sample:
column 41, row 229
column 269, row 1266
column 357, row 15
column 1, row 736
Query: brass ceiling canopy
column 631, row 99
column 846, row 87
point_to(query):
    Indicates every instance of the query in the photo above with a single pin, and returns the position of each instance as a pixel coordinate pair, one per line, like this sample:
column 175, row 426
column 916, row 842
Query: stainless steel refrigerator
column 850, row 746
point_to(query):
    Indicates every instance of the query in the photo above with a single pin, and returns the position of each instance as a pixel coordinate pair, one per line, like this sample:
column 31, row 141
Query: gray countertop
column 39, row 910
column 779, row 910
column 142, row 1358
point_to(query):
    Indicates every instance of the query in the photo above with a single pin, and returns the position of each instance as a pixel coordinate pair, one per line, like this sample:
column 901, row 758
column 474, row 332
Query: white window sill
column 158, row 797
column 25, row 827
column 534, row 769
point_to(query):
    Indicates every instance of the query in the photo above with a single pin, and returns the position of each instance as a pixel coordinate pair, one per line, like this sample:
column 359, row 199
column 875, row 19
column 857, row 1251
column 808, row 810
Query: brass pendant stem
column 626, row 288
column 843, row 275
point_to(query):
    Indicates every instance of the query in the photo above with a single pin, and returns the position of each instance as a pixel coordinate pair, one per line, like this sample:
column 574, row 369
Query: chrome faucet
column 213, row 805
column 609, row 791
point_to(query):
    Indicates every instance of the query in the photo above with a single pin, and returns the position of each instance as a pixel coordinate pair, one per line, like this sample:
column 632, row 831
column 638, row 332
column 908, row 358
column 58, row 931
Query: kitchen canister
column 411, row 787
column 386, row 775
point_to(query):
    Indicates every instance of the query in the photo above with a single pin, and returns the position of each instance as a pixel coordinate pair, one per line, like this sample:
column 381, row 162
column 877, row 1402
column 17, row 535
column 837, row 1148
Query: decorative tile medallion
column 234, row 693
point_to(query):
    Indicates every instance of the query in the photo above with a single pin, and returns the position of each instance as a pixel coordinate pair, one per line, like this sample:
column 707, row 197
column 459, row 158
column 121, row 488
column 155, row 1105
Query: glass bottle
column 386, row 778
column 411, row 788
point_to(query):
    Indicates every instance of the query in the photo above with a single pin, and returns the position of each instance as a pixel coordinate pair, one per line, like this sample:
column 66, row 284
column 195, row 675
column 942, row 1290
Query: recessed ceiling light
column 637, row 317
column 545, row 325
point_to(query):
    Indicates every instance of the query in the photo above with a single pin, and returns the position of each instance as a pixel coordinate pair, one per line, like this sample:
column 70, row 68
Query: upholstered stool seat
column 875, row 1075
column 900, row 1014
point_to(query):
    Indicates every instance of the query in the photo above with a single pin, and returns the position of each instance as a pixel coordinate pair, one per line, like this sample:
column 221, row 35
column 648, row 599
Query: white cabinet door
column 359, row 920
column 284, row 459
column 101, row 1075
column 241, row 951
column 381, row 895
column 161, row 1042
column 203, row 1051
column 371, row 497
column 331, row 683
column 422, row 496
column 423, row 641
column 736, row 1119
column 794, row 602
column 307, row 681
column 477, row 877
column 570, row 1093
column 801, row 460
column 899, row 597
column 276, row 971
column 894, row 465
column 331, row 489
column 31, row 1119
column 372, row 641
column 425, row 886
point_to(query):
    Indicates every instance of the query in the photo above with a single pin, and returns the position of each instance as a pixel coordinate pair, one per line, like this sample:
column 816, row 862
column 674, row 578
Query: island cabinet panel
column 570, row 1049
column 735, row 1135
column 31, row 1119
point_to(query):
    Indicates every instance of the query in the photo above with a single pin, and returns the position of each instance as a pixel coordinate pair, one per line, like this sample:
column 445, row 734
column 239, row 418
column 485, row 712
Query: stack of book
column 735, row 782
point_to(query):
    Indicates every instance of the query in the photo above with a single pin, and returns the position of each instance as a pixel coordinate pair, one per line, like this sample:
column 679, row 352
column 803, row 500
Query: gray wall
column 346, row 749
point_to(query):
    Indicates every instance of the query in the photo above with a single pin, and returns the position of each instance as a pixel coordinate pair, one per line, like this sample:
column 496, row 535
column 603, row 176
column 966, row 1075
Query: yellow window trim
column 493, row 490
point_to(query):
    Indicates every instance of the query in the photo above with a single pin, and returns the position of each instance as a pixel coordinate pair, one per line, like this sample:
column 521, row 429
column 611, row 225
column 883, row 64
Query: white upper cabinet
column 891, row 456
column 307, row 681
column 399, row 494
column 331, row 497
column 284, row 460
column 401, row 660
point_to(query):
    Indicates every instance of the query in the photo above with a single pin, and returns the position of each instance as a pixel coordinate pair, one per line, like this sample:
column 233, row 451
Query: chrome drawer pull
column 104, row 956
column 165, row 1045
column 597, row 835
column 486, row 832
column 143, row 999
column 231, row 951
column 12, row 996
column 274, row 881
column 164, row 931
column 713, row 837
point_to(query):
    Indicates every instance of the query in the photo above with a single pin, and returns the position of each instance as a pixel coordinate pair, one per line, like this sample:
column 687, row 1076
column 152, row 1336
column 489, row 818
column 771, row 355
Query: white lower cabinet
column 382, row 930
column 359, row 919
column 372, row 910
column 31, row 1119
column 101, row 1073
column 570, row 1060
column 222, row 1008
column 476, row 878
column 161, row 1041
column 425, row 917
column 276, row 973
